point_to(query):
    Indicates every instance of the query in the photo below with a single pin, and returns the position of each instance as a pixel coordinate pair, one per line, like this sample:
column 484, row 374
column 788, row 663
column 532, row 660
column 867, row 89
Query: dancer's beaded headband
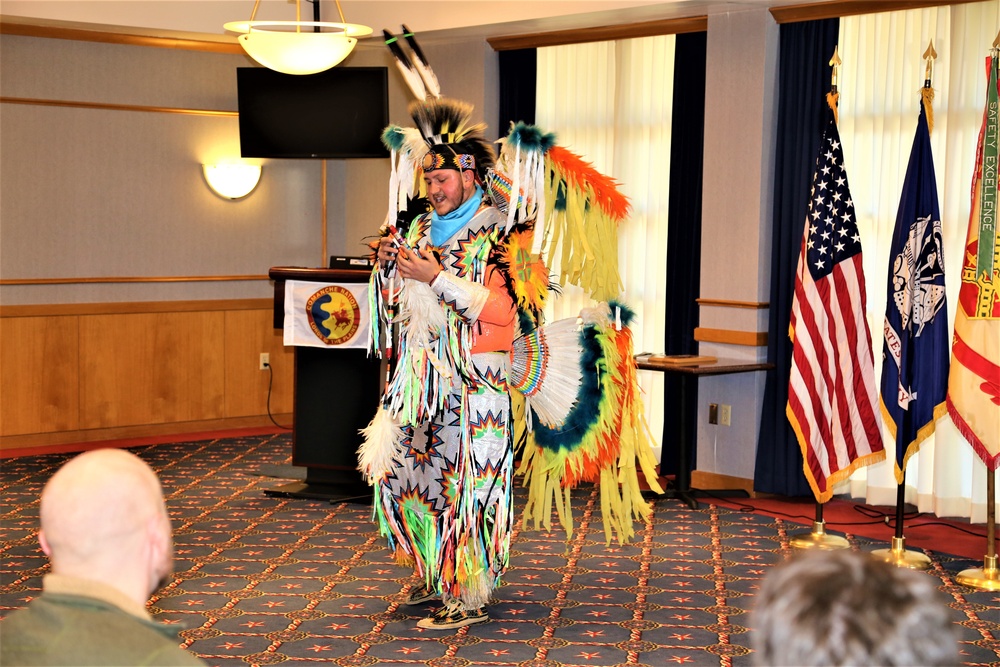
column 445, row 157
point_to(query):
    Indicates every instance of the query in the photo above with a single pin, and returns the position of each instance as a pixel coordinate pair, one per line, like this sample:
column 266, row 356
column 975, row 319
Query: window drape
column 683, row 284
column 803, row 80
column 882, row 73
column 517, row 88
column 611, row 102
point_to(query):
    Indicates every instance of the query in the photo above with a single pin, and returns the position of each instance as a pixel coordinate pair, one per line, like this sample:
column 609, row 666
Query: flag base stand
column 986, row 578
column 817, row 539
column 899, row 556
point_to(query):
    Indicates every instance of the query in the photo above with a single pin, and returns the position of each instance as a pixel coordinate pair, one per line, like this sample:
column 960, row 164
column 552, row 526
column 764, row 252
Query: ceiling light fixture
column 275, row 45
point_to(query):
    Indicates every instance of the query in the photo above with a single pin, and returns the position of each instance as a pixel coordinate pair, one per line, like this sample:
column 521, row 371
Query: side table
column 689, row 374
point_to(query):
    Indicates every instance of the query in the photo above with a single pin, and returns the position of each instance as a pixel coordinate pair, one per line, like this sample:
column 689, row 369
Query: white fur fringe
column 382, row 446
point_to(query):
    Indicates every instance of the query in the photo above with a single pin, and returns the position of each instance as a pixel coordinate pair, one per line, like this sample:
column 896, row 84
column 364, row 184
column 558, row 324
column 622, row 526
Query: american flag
column 832, row 399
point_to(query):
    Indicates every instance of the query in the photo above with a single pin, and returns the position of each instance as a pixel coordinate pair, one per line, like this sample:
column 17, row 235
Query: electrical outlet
column 725, row 414
column 713, row 413
column 265, row 361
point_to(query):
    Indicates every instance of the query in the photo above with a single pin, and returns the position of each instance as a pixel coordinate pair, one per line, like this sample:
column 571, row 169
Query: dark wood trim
column 726, row 303
column 730, row 337
column 129, row 279
column 828, row 10
column 714, row 480
column 62, row 442
column 129, row 307
column 225, row 45
column 600, row 33
column 116, row 107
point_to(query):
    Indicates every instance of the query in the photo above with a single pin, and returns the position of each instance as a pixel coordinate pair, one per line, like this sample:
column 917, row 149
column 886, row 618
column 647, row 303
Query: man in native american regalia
column 446, row 506
column 474, row 371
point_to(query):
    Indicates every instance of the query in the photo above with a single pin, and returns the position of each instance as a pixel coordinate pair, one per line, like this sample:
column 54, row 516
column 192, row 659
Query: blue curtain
column 803, row 81
column 683, row 270
column 518, row 72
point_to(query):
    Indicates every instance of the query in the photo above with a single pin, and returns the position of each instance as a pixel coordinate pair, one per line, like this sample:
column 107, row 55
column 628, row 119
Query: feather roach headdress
column 453, row 140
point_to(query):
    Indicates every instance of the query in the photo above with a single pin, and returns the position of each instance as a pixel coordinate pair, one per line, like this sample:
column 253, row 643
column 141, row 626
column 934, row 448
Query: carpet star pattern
column 267, row 580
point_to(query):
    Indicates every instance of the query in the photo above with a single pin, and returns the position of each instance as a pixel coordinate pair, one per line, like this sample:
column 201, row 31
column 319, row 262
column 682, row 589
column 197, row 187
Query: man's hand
column 386, row 250
column 424, row 268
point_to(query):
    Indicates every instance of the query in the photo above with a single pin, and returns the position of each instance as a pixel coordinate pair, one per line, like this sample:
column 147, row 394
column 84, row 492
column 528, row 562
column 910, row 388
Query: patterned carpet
column 263, row 580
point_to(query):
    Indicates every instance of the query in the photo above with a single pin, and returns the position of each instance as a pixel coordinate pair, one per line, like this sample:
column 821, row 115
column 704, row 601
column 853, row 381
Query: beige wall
column 104, row 192
column 89, row 193
column 740, row 108
column 96, row 192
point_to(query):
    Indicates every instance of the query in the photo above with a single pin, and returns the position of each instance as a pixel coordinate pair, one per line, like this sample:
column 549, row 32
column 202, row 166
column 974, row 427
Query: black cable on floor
column 270, row 381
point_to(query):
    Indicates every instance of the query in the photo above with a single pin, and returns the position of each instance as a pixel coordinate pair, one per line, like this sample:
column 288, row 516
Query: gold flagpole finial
column 930, row 55
column 996, row 42
column 835, row 62
column 927, row 92
column 833, row 95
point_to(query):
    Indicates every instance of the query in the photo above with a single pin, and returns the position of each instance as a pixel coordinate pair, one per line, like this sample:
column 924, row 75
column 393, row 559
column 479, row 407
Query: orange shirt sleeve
column 494, row 330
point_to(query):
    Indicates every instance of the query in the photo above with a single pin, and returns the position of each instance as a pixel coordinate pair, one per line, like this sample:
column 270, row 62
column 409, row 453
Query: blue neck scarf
column 444, row 226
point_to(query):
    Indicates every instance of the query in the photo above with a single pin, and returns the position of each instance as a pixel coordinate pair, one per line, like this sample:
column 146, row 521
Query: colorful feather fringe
column 528, row 276
column 436, row 345
column 521, row 171
column 545, row 369
column 602, row 440
column 583, row 229
column 467, row 557
column 578, row 174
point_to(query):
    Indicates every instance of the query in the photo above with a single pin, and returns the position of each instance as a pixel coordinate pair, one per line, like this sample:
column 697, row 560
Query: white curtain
column 610, row 102
column 882, row 73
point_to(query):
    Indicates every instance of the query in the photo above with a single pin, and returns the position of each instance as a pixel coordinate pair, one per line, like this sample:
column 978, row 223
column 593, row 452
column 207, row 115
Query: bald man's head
column 103, row 517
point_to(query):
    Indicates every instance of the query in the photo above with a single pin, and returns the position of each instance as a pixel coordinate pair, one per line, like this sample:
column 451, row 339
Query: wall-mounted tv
column 339, row 113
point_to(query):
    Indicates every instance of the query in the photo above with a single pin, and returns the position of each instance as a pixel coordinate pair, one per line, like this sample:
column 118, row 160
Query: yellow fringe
column 586, row 241
column 838, row 476
column 927, row 99
column 831, row 100
column 924, row 432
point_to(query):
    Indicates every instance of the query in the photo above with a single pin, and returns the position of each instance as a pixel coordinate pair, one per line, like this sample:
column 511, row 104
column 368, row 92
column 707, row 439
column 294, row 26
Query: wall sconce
column 232, row 180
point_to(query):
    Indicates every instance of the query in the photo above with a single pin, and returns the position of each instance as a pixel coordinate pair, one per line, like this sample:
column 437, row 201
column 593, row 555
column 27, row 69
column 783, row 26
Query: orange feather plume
column 579, row 173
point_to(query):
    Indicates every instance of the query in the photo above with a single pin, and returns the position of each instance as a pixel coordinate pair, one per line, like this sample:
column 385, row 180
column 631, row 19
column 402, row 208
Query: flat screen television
column 339, row 113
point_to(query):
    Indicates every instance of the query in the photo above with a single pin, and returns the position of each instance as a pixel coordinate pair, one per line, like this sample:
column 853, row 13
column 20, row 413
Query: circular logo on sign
column 334, row 315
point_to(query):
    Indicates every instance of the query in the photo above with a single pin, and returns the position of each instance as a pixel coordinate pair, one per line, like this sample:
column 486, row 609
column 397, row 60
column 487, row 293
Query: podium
column 336, row 393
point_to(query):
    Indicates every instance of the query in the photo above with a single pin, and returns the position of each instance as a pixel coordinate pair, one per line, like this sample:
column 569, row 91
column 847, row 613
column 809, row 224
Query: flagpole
column 988, row 576
column 897, row 554
column 818, row 538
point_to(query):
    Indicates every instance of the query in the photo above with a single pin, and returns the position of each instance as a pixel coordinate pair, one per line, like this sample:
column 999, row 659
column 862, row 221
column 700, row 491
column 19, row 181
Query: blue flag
column 915, row 355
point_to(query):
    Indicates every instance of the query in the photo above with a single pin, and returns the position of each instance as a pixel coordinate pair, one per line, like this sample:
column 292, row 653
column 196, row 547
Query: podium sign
column 324, row 314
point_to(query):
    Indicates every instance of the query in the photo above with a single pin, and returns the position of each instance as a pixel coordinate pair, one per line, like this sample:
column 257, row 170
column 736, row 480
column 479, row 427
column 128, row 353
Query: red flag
column 832, row 398
column 974, row 381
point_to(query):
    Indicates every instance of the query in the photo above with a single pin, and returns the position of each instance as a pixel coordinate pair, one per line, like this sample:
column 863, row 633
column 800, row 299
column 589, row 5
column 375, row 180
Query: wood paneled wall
column 96, row 371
